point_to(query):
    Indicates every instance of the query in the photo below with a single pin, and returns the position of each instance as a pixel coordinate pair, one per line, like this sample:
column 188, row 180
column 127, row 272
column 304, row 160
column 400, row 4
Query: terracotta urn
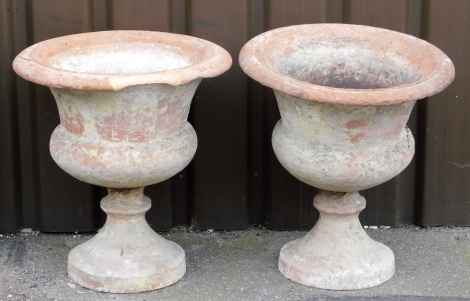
column 123, row 100
column 345, row 93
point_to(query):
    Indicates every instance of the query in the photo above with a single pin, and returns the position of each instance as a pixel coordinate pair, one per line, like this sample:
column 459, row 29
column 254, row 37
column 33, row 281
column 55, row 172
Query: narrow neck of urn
column 134, row 114
column 342, row 125
column 125, row 202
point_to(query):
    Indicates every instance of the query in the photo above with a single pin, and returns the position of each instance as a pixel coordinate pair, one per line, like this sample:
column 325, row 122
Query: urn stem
column 126, row 202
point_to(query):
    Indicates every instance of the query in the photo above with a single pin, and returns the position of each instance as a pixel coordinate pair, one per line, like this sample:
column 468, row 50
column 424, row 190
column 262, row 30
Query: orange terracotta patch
column 73, row 124
column 124, row 126
column 355, row 124
column 356, row 138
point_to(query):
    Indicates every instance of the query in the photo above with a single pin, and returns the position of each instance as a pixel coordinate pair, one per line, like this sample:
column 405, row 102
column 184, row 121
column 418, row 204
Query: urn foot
column 337, row 253
column 126, row 256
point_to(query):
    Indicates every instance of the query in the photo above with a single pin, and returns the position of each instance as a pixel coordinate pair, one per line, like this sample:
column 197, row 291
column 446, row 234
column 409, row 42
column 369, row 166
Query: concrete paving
column 431, row 264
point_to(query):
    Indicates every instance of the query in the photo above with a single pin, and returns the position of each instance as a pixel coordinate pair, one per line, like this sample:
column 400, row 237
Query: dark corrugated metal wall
column 235, row 179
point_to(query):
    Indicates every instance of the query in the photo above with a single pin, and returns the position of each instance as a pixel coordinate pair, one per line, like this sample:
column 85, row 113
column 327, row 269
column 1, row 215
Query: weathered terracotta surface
column 123, row 99
column 345, row 93
column 330, row 146
column 132, row 137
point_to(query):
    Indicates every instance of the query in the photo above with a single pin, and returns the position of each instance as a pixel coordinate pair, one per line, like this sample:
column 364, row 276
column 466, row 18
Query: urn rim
column 259, row 56
column 43, row 63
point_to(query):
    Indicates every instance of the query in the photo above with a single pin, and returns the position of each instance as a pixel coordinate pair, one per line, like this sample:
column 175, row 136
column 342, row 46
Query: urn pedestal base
column 126, row 256
column 337, row 253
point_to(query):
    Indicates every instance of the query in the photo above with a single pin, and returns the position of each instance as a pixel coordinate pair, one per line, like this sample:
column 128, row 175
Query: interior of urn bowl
column 341, row 56
column 116, row 53
column 119, row 58
column 333, row 63
column 114, row 60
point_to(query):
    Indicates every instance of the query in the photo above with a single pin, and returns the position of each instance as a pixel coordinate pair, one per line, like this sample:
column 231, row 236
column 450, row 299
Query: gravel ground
column 431, row 264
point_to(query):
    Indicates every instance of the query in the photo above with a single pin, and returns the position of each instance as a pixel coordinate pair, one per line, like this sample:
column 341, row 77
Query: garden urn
column 345, row 93
column 123, row 99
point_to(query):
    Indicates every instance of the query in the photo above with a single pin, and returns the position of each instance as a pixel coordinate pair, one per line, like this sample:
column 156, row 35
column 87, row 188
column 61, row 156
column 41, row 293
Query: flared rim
column 204, row 59
column 257, row 60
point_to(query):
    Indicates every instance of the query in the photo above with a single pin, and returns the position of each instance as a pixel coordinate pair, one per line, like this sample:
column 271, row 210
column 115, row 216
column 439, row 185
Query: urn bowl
column 345, row 93
column 123, row 100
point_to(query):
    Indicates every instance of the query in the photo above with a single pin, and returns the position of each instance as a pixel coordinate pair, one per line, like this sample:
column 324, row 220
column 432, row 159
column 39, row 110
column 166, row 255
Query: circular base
column 110, row 269
column 337, row 253
column 126, row 256
column 346, row 268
